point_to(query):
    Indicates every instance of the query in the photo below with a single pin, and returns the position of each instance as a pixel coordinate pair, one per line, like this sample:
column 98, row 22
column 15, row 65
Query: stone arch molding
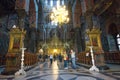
column 109, row 25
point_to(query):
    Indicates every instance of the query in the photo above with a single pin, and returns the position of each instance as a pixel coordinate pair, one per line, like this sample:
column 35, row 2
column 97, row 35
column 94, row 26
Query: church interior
column 32, row 30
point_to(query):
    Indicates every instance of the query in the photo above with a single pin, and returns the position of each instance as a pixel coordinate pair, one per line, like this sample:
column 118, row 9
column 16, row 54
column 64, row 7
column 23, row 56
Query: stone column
column 21, row 15
column 89, row 21
column 20, row 9
column 78, row 40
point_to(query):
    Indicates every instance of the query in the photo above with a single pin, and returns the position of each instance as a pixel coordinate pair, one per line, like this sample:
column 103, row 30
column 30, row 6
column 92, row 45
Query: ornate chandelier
column 59, row 15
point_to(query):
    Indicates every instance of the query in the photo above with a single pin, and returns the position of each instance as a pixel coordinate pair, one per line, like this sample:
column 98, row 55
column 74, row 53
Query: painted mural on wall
column 16, row 44
column 94, row 41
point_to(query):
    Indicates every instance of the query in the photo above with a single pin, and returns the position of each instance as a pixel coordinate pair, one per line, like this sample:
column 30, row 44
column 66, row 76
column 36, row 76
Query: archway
column 112, row 29
column 112, row 37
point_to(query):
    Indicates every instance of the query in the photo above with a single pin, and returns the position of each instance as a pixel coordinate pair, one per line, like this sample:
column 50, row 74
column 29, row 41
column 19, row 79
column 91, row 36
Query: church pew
column 112, row 57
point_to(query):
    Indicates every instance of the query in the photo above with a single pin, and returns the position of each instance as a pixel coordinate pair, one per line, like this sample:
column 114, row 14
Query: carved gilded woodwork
column 94, row 40
column 16, row 40
column 54, row 46
column 14, row 53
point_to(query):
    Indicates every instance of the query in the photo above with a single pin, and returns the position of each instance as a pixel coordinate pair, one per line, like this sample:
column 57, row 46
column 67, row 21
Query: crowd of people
column 63, row 59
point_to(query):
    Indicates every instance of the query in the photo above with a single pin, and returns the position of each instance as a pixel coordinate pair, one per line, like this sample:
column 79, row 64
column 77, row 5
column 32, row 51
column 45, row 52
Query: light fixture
column 55, row 50
column 59, row 15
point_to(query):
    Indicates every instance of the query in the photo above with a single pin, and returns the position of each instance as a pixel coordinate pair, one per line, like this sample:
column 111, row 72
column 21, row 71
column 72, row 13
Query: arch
column 55, row 31
column 112, row 29
column 112, row 36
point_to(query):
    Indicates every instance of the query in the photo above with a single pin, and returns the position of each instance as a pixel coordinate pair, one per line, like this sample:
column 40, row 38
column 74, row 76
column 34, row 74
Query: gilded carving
column 94, row 40
column 16, row 39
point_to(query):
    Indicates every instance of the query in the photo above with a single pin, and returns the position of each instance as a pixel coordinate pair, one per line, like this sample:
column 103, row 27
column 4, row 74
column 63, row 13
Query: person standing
column 69, row 59
column 73, row 59
column 65, row 60
column 60, row 57
column 51, row 59
column 40, row 57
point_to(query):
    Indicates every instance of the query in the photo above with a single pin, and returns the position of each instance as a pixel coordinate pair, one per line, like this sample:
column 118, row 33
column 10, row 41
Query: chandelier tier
column 59, row 15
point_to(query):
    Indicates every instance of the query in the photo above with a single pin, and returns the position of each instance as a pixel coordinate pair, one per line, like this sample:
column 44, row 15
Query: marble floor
column 45, row 71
